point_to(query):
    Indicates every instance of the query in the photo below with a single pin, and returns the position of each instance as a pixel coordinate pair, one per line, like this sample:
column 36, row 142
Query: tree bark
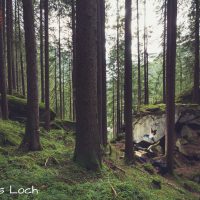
column 60, row 71
column 139, row 67
column 128, row 84
column 21, row 55
column 16, row 49
column 104, row 88
column 56, row 98
column 74, row 57
column 196, row 96
column 12, row 48
column 146, row 92
column 164, row 52
column 113, row 107
column 63, row 91
column 4, row 27
column 4, row 102
column 99, row 68
column 170, row 82
column 9, row 44
column 41, row 51
column 31, row 140
column 87, row 150
column 118, row 74
column 47, row 106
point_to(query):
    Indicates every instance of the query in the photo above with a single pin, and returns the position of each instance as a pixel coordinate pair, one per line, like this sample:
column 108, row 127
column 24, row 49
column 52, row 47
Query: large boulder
column 187, row 119
column 62, row 124
column 18, row 109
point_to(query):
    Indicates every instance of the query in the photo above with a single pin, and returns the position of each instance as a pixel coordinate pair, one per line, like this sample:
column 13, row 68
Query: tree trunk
column 121, row 100
column 196, row 95
column 74, row 57
column 9, row 44
column 16, row 49
column 104, row 89
column 60, row 71
column 128, row 84
column 56, row 98
column 118, row 74
column 87, row 150
column 146, row 91
column 63, row 91
column 113, row 107
column 139, row 68
column 170, row 81
column 31, row 140
column 47, row 106
column 147, row 76
column 99, row 69
column 70, row 91
column 21, row 55
column 12, row 49
column 4, row 28
column 41, row 51
column 4, row 102
column 164, row 52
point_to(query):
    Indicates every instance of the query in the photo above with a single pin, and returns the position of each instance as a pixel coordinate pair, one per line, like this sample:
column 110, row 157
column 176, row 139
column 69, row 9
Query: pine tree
column 31, row 140
column 128, row 84
column 104, row 95
column 9, row 44
column 196, row 95
column 164, row 51
column 3, row 89
column 74, row 56
column 87, row 150
column 118, row 74
column 42, row 50
column 170, row 81
column 47, row 106
column 138, row 48
column 21, row 54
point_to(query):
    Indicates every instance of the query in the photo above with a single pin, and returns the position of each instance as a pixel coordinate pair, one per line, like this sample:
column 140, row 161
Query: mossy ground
column 61, row 179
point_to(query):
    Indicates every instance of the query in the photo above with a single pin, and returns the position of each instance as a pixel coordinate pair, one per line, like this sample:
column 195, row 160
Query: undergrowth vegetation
column 53, row 172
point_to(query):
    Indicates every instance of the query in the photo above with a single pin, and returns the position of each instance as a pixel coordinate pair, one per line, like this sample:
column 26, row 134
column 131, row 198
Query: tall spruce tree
column 47, row 103
column 128, row 84
column 31, row 140
column 3, row 89
column 196, row 95
column 170, row 81
column 87, row 149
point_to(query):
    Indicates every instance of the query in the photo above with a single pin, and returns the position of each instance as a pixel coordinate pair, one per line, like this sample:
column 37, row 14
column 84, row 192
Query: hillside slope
column 54, row 174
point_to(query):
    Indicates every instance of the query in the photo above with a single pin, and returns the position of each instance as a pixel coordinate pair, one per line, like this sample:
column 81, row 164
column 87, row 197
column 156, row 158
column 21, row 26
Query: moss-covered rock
column 151, row 108
column 62, row 124
column 18, row 109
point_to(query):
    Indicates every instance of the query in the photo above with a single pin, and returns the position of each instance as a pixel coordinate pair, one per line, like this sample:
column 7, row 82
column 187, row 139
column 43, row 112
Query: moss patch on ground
column 53, row 172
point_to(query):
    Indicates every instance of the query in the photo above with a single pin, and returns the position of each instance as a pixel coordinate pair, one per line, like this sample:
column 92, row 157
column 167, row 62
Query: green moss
column 64, row 180
column 151, row 108
column 10, row 133
column 18, row 109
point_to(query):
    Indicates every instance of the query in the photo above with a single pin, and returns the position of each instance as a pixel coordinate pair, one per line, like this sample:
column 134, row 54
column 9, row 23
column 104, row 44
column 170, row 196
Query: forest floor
column 54, row 174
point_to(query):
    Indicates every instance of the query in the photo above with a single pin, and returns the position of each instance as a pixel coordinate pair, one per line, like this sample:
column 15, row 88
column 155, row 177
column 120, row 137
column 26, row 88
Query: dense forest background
column 78, row 76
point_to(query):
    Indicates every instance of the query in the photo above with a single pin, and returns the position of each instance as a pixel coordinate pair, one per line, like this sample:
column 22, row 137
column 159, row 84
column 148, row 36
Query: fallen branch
column 112, row 166
column 113, row 191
